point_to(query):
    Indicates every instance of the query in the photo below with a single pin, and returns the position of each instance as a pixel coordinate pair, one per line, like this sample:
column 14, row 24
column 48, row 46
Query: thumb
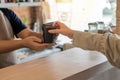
column 54, row 31
column 36, row 39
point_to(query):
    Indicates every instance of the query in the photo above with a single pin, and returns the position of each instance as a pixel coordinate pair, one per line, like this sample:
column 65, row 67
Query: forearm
column 27, row 33
column 24, row 33
column 88, row 41
column 70, row 33
column 7, row 46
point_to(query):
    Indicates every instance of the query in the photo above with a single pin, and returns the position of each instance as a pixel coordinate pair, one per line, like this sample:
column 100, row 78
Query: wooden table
column 72, row 64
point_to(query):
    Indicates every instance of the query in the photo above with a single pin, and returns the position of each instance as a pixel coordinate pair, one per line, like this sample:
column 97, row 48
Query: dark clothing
column 15, row 22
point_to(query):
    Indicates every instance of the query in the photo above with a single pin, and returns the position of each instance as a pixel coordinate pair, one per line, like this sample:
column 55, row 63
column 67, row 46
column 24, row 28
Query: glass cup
column 93, row 27
column 48, row 37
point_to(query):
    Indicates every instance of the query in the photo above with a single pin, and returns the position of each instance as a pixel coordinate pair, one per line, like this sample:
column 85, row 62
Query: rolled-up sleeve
column 108, row 44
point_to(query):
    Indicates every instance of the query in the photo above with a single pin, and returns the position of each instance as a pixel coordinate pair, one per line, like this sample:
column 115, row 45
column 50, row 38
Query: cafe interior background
column 81, row 15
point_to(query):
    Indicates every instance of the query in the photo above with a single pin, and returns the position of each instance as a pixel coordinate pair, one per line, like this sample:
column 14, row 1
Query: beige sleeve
column 89, row 41
column 108, row 44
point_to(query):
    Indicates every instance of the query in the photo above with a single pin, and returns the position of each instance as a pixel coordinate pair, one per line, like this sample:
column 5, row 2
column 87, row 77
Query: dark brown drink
column 48, row 37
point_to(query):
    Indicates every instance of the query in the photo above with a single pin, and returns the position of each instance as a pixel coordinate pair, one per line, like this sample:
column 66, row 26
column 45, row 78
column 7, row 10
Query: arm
column 108, row 44
column 30, row 39
column 84, row 40
column 31, row 42
column 89, row 41
column 18, row 27
column 7, row 46
column 27, row 32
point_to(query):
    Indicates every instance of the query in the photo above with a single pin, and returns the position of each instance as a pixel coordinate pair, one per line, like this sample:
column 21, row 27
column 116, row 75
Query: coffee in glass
column 48, row 37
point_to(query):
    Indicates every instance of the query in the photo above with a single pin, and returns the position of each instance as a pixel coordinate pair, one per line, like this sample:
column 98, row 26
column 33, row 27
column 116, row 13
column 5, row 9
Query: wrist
column 71, row 33
column 22, row 44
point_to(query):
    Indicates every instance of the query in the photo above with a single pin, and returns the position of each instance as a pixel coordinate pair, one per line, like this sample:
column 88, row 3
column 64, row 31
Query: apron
column 6, row 33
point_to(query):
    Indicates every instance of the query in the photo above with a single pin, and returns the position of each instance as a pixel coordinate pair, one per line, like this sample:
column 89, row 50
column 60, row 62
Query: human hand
column 35, row 43
column 62, row 29
column 38, row 35
column 27, row 33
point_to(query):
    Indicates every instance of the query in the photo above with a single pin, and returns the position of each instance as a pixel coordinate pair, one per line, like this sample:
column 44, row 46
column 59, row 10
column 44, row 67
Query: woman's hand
column 35, row 43
column 62, row 29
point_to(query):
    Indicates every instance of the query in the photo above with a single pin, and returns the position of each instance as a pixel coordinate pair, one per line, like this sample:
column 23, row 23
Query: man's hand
column 31, row 42
column 35, row 43
column 27, row 33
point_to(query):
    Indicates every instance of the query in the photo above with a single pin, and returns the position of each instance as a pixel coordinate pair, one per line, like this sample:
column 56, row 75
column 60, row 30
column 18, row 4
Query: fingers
column 47, row 45
column 43, row 46
column 60, row 25
column 57, row 25
column 54, row 31
column 39, row 35
column 57, row 30
column 37, row 40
